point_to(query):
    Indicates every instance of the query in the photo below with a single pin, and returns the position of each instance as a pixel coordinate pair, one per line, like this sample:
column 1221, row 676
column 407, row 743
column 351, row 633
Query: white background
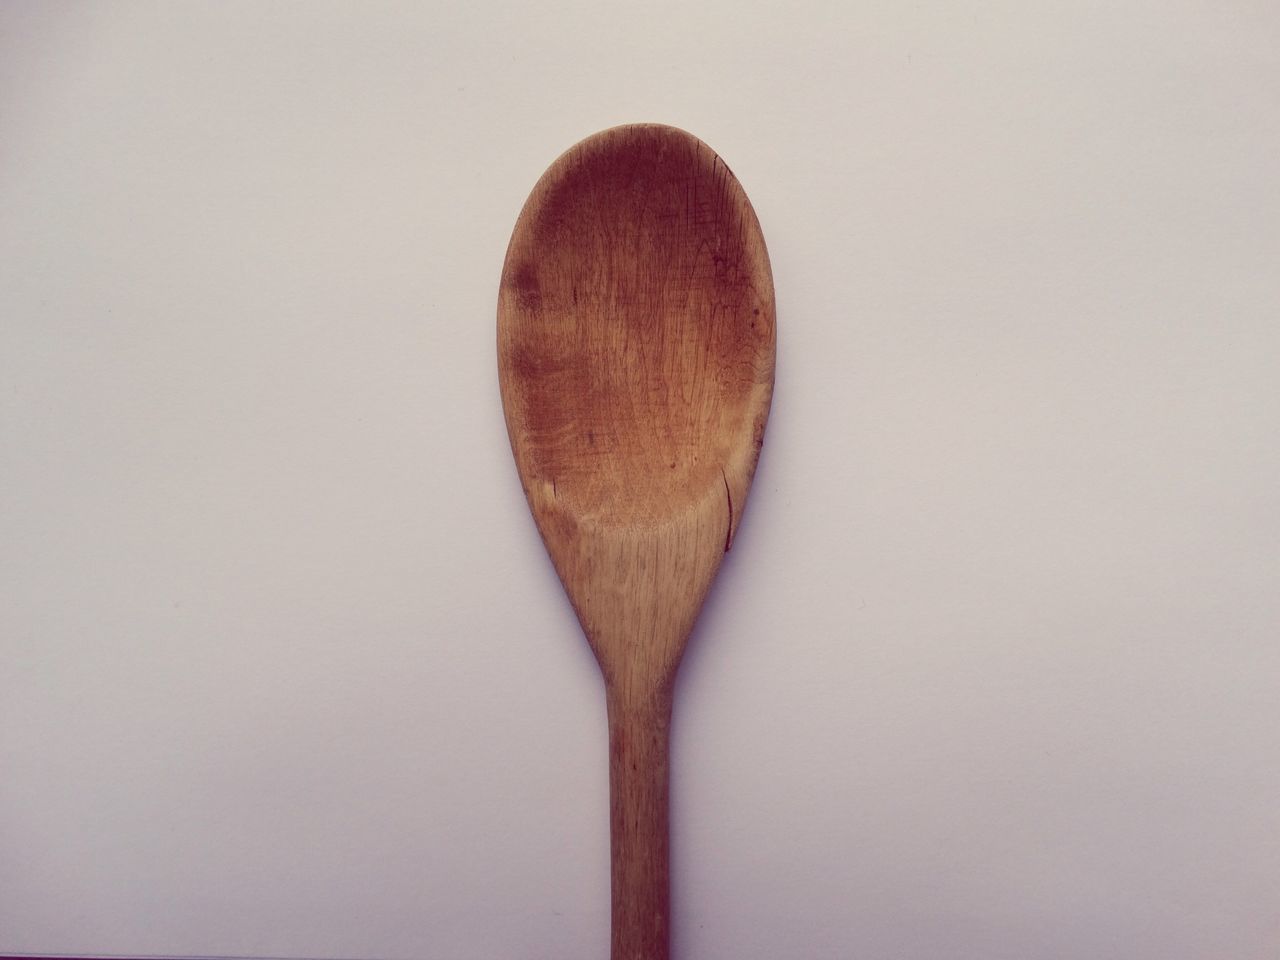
column 992, row 669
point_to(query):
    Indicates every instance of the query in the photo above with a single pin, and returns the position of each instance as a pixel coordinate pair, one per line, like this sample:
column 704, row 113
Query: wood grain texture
column 636, row 354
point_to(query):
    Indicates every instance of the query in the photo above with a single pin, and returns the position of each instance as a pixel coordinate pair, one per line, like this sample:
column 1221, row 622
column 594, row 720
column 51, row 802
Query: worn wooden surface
column 636, row 355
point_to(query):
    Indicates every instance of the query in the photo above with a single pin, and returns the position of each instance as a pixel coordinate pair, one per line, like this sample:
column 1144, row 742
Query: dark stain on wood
column 524, row 282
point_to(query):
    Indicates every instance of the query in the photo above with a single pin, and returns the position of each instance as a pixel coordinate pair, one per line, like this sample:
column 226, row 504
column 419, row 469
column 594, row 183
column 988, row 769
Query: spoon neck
column 639, row 734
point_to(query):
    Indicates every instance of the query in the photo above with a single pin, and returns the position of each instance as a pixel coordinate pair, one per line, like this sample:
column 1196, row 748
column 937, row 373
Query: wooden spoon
column 635, row 355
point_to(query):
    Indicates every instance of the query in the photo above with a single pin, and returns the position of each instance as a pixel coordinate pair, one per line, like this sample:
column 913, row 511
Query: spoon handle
column 638, row 751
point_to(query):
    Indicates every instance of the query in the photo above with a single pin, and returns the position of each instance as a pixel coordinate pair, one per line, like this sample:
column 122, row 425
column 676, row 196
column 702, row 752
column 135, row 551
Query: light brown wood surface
column 636, row 356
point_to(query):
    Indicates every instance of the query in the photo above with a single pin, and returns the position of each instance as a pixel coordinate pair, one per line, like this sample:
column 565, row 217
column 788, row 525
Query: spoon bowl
column 635, row 354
